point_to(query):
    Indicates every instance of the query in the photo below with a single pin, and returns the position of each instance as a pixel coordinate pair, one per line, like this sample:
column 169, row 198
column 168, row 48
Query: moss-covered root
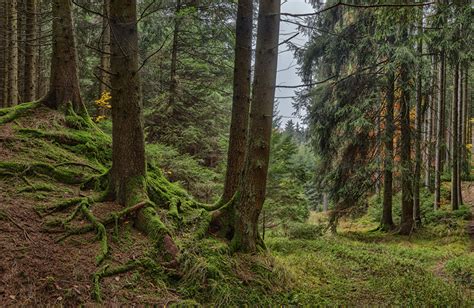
column 149, row 222
column 108, row 272
column 101, row 232
column 60, row 175
column 12, row 113
column 220, row 204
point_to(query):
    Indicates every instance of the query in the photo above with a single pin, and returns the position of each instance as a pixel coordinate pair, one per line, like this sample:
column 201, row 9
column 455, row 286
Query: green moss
column 12, row 113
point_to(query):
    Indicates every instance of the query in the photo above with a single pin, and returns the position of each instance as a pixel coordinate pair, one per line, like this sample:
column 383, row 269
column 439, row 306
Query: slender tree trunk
column 406, row 222
column 325, row 202
column 418, row 126
column 128, row 142
column 3, row 53
column 13, row 54
column 459, row 134
column 174, row 56
column 223, row 220
column 252, row 186
column 31, row 50
column 64, row 81
column 105, row 48
column 439, row 147
column 466, row 118
column 21, row 49
column 387, row 219
column 454, row 141
column 431, row 109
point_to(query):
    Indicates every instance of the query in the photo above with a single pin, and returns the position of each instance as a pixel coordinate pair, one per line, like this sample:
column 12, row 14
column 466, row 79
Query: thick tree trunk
column 223, row 219
column 128, row 144
column 13, row 54
column 454, row 141
column 31, row 50
column 252, row 186
column 64, row 81
column 387, row 219
column 406, row 222
column 439, row 147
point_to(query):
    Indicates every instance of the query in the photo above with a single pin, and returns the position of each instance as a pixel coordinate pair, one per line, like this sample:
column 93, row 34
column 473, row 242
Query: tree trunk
column 439, row 147
column 406, row 222
column 252, row 186
column 418, row 126
column 387, row 219
column 454, row 141
column 325, row 202
column 13, row 54
column 459, row 134
column 105, row 48
column 3, row 54
column 431, row 109
column 174, row 56
column 64, row 81
column 128, row 144
column 31, row 50
column 223, row 219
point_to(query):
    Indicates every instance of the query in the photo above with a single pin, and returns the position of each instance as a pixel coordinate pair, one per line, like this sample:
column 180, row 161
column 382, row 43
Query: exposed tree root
column 106, row 271
column 20, row 169
column 71, row 163
column 101, row 232
column 12, row 113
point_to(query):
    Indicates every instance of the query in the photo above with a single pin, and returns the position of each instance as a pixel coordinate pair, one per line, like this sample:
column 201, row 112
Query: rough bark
column 64, row 81
column 240, row 114
column 3, row 54
column 454, row 141
column 387, row 219
column 105, row 48
column 31, row 50
column 406, row 222
column 418, row 126
column 13, row 54
column 431, row 112
column 128, row 145
column 174, row 56
column 440, row 116
column 252, row 186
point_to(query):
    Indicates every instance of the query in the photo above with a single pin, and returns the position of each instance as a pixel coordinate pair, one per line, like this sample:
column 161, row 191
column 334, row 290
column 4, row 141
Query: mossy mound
column 55, row 164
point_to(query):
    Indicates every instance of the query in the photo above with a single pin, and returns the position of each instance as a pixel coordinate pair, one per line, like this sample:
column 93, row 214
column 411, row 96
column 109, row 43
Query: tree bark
column 105, row 48
column 252, row 186
column 406, row 222
column 418, row 126
column 13, row 54
column 31, row 50
column 223, row 219
column 64, row 81
column 454, row 141
column 128, row 172
column 174, row 56
column 387, row 219
column 3, row 55
column 439, row 146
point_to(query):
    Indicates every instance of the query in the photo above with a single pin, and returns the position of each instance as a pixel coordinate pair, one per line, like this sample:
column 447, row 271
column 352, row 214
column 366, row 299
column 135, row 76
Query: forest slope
column 43, row 160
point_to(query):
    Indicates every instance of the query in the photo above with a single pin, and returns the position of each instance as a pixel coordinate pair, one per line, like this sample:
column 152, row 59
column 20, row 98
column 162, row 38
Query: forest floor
column 434, row 266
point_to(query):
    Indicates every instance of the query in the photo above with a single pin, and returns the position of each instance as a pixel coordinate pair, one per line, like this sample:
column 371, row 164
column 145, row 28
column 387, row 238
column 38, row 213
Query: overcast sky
column 287, row 69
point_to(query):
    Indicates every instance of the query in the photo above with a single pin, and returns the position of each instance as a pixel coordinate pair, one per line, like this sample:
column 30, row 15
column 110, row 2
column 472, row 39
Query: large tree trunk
column 454, row 141
column 128, row 144
column 223, row 219
column 13, row 54
column 387, row 219
column 439, row 146
column 252, row 186
column 406, row 222
column 31, row 50
column 64, row 81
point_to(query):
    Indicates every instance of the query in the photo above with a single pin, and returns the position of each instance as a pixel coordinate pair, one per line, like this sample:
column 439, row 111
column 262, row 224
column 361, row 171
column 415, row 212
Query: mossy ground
column 355, row 267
